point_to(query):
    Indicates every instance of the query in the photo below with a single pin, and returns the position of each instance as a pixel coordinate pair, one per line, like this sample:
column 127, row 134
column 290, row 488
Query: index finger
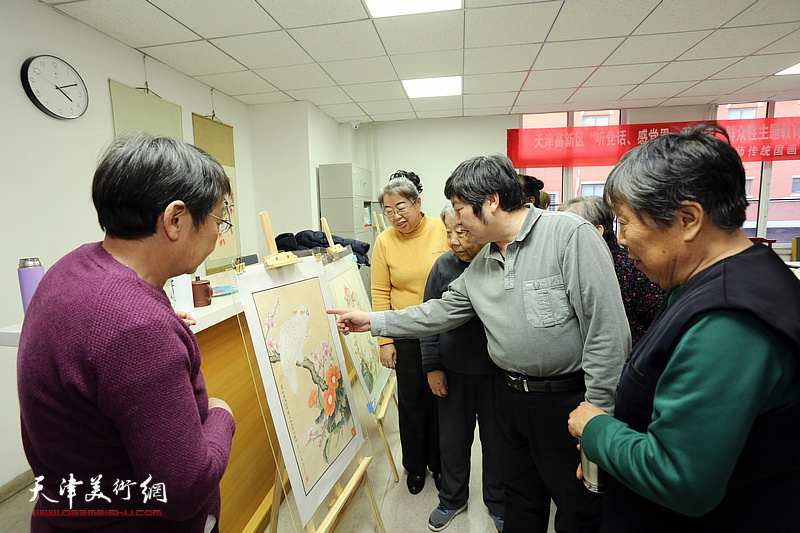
column 336, row 311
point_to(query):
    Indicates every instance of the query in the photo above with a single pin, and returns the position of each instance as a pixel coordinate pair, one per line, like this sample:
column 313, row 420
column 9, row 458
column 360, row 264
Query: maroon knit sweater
column 110, row 385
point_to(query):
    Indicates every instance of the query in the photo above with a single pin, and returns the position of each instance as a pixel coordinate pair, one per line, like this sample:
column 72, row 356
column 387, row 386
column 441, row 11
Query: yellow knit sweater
column 401, row 263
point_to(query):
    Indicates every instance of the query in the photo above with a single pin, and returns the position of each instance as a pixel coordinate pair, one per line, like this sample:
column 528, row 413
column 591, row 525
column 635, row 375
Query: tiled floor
column 401, row 512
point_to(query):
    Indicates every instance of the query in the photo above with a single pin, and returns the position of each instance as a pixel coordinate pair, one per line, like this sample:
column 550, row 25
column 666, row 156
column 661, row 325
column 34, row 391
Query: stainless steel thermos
column 592, row 475
column 30, row 272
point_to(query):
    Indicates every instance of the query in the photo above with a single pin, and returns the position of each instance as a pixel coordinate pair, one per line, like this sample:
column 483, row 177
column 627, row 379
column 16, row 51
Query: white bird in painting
column 293, row 335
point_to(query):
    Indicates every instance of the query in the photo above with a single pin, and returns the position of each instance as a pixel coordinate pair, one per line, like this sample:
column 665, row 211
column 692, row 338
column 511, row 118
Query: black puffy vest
column 763, row 494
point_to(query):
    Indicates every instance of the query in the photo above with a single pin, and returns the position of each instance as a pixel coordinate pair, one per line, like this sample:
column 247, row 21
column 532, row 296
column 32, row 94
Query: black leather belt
column 564, row 383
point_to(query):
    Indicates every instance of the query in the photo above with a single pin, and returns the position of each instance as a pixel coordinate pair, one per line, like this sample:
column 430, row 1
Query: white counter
column 221, row 308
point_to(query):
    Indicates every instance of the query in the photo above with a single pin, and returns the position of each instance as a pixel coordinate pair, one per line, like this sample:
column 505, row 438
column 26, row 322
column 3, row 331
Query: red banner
column 758, row 139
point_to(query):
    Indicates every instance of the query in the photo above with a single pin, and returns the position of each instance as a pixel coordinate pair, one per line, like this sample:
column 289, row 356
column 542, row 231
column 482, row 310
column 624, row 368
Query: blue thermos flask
column 30, row 272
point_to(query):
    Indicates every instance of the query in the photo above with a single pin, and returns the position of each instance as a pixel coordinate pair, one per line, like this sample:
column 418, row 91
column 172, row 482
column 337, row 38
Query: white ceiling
column 515, row 56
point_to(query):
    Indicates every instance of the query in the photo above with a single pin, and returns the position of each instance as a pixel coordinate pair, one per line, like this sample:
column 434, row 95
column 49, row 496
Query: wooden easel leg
column 372, row 503
column 380, row 414
column 276, row 495
column 388, row 451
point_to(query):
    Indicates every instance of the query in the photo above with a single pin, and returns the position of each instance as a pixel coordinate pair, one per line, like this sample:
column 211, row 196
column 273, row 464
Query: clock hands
column 63, row 92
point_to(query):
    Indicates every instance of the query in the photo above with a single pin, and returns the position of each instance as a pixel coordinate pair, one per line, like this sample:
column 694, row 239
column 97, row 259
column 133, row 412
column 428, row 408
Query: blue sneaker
column 441, row 517
column 498, row 523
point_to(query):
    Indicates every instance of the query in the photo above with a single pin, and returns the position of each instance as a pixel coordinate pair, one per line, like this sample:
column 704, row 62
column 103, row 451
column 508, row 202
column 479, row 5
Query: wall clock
column 54, row 87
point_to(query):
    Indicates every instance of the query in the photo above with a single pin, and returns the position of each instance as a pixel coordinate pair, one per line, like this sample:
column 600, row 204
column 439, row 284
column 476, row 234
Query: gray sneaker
column 498, row 523
column 441, row 517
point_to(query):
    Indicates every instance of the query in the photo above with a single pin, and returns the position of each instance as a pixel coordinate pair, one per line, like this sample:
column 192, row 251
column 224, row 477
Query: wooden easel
column 380, row 225
column 333, row 249
column 274, row 258
column 380, row 413
column 336, row 506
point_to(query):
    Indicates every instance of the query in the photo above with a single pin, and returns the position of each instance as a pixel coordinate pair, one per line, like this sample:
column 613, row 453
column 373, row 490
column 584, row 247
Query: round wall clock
column 54, row 87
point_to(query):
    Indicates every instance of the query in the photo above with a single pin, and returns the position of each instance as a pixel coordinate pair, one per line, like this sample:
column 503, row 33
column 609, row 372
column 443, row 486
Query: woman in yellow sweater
column 401, row 261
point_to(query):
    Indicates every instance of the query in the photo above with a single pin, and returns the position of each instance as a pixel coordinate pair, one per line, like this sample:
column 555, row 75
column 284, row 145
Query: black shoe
column 415, row 483
column 437, row 480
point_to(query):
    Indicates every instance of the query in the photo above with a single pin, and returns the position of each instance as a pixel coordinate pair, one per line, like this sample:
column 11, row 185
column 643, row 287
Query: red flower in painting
column 312, row 398
column 333, row 376
column 353, row 431
column 330, row 401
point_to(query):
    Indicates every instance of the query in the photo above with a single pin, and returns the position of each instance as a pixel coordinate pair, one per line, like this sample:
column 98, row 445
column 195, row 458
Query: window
column 553, row 177
column 742, row 112
column 592, row 189
column 795, row 185
column 748, row 183
column 554, row 203
column 595, row 120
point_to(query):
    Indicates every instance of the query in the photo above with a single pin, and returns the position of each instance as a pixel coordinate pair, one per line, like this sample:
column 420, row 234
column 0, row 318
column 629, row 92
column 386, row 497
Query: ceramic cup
column 179, row 290
column 202, row 292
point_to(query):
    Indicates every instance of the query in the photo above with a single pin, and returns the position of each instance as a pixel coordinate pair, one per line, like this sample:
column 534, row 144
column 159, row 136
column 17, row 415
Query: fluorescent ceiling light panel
column 426, row 87
column 393, row 8
column 795, row 69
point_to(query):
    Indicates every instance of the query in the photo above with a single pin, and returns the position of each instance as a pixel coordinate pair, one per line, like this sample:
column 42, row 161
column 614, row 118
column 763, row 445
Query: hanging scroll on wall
column 137, row 111
column 216, row 138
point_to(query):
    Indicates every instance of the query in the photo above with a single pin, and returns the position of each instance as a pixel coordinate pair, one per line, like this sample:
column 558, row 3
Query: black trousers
column 539, row 459
column 417, row 411
column 469, row 397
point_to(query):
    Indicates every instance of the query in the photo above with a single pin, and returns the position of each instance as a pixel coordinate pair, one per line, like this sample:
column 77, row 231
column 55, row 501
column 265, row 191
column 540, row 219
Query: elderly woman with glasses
column 401, row 262
column 115, row 413
column 705, row 429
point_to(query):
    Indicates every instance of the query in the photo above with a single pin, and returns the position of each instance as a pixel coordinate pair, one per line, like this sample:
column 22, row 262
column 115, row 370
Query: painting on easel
column 347, row 291
column 301, row 364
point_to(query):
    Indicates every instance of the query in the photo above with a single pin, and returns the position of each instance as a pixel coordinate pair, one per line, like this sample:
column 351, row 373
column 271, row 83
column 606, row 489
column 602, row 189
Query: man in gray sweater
column 547, row 294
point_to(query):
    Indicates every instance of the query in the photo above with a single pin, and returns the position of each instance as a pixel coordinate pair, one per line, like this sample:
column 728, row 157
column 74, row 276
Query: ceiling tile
column 589, row 105
column 393, row 116
column 370, row 92
column 355, row 71
column 440, row 114
column 737, row 41
column 541, row 108
column 592, row 19
column 631, row 104
column 296, row 77
column 264, row 50
column 193, row 59
column 483, row 111
column 685, row 15
column 792, row 94
column 385, row 107
column 332, row 42
column 776, row 83
column 494, row 3
column 342, row 110
column 657, row 90
column 490, row 100
column 575, row 53
column 500, row 58
column 650, row 48
column 594, row 94
column 718, row 87
column 494, row 83
column 219, row 18
column 767, row 12
column 134, row 22
column 692, row 100
column 761, row 65
column 321, row 95
column 557, row 79
column 790, row 43
column 426, row 32
column 552, row 96
column 264, row 98
column 696, row 70
column 235, row 83
column 429, row 64
column 517, row 24
column 622, row 74
column 298, row 13
column 436, row 103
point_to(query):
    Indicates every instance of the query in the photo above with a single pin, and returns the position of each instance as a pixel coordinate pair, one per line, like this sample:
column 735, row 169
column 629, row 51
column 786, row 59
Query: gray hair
column 402, row 183
column 691, row 166
column 595, row 210
column 447, row 210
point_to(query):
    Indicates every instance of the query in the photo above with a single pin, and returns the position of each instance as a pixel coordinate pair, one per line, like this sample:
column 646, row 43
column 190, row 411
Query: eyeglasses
column 225, row 225
column 399, row 211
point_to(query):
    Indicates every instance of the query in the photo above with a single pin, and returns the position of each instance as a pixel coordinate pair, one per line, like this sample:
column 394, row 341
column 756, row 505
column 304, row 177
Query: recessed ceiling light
column 392, row 8
column 426, row 87
column 795, row 69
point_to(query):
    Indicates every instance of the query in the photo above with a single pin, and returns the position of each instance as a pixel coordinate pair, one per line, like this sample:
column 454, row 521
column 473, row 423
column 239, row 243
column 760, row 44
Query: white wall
column 48, row 163
column 434, row 148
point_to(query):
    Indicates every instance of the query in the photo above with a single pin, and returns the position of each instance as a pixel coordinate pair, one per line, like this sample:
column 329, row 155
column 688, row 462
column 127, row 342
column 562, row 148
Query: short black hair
column 694, row 165
column 531, row 188
column 139, row 176
column 476, row 178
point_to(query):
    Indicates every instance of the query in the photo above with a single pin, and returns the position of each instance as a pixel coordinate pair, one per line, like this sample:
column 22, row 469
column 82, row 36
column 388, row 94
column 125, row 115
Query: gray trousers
column 469, row 397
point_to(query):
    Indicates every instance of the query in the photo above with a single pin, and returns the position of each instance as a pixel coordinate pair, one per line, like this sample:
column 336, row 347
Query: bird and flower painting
column 304, row 376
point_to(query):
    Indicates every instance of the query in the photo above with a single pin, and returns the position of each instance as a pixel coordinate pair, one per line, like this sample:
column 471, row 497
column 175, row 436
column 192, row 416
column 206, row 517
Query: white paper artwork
column 302, row 366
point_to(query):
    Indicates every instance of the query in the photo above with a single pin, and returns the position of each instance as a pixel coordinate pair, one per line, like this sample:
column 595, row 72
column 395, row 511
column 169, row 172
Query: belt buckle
column 525, row 385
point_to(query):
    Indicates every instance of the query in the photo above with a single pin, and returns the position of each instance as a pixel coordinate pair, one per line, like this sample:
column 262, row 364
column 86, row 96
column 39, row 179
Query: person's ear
column 174, row 219
column 601, row 229
column 690, row 219
column 492, row 202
